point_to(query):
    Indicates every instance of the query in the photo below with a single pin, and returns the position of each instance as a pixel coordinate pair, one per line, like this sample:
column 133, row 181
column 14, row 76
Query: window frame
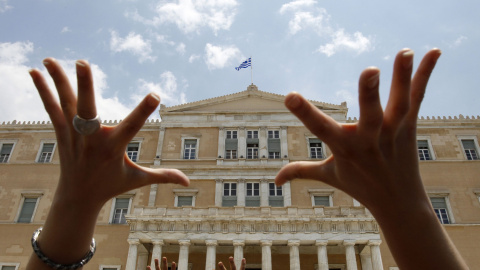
column 185, row 192
column 313, row 192
column 430, row 147
column 197, row 147
column 274, row 133
column 229, row 197
column 29, row 195
column 16, row 265
column 475, row 141
column 40, row 150
column 114, row 201
column 103, row 267
column 253, row 151
column 2, row 142
column 446, row 197
column 231, row 154
column 233, row 133
column 254, row 133
column 322, row 151
column 139, row 141
column 253, row 200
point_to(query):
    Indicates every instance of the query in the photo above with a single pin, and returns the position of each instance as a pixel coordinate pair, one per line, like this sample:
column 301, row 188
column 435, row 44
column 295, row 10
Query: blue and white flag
column 245, row 64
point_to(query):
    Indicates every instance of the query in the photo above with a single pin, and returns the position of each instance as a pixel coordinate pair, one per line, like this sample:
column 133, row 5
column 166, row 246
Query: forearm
column 417, row 240
column 67, row 233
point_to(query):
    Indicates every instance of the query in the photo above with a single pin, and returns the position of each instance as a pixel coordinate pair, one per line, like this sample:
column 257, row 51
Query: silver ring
column 86, row 126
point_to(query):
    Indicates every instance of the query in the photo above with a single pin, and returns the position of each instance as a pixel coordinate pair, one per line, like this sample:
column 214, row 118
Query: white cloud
column 133, row 43
column 4, row 6
column 167, row 89
column 344, row 41
column 296, row 5
column 217, row 57
column 191, row 15
column 306, row 16
column 180, row 48
column 459, row 41
column 193, row 58
column 65, row 30
column 19, row 99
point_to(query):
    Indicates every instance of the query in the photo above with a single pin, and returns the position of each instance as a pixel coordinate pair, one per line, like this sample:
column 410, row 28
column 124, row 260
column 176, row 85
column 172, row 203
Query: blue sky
column 187, row 50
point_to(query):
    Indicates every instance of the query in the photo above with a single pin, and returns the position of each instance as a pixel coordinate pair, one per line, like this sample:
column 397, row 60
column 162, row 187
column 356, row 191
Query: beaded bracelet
column 59, row 266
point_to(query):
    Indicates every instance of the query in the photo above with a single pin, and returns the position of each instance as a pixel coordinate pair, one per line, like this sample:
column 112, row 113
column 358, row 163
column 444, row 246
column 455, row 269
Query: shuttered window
column 185, row 201
column 321, row 200
column 120, row 210
column 440, row 207
column 46, row 153
column 5, row 152
column 28, row 208
column 470, row 149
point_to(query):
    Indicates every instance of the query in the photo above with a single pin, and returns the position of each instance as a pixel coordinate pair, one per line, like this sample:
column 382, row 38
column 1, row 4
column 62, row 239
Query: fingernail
column 153, row 100
column 293, row 101
column 407, row 58
column 80, row 68
column 373, row 80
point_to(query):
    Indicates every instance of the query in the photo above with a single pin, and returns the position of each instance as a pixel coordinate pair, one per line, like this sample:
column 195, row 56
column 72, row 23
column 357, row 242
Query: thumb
column 163, row 176
column 315, row 170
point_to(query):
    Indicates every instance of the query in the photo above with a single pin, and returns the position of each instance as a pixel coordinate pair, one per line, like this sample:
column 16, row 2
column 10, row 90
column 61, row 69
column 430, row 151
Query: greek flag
column 245, row 64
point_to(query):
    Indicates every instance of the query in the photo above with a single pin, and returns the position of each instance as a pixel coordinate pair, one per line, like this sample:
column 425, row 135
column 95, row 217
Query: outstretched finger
column 221, row 266
column 315, row 170
column 142, row 176
column 174, row 266
column 371, row 113
column 232, row 263
column 86, row 108
column 399, row 100
column 320, row 124
column 164, row 264
column 243, row 265
column 128, row 128
column 420, row 81
column 68, row 100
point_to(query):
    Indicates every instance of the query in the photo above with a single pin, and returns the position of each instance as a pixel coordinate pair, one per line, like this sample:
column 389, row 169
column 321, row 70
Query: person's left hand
column 232, row 264
column 164, row 265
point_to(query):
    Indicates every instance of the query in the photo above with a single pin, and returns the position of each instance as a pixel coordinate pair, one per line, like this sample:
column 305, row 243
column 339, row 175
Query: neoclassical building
column 231, row 147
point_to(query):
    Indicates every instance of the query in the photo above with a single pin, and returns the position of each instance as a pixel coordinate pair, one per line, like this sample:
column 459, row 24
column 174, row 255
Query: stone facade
column 231, row 147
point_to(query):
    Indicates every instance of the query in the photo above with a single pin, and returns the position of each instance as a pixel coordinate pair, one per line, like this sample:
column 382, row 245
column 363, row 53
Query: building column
column 376, row 256
column 242, row 143
column 266, row 254
column 287, row 194
column 241, row 192
column 153, row 194
column 142, row 260
column 262, row 143
column 218, row 192
column 157, row 251
column 322, row 254
column 183, row 254
column 132, row 254
column 211, row 252
column 221, row 142
column 158, row 155
column 238, row 252
column 264, row 192
column 350, row 254
column 366, row 260
column 294, row 254
column 283, row 142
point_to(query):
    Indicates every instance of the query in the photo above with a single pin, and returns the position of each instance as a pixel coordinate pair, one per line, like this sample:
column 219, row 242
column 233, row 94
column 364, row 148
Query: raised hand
column 376, row 162
column 221, row 266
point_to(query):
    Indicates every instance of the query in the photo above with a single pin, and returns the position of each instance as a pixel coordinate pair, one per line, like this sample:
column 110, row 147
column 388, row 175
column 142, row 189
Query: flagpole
column 251, row 69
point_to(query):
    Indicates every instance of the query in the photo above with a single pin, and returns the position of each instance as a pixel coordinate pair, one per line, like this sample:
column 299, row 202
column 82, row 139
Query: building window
column 315, row 147
column 275, row 197
column 9, row 266
column 470, row 149
column 274, row 134
column 441, row 210
column 46, row 153
column 190, row 149
column 252, row 151
column 321, row 201
column 231, row 134
column 229, row 194
column 274, row 147
column 185, row 197
column 252, row 134
column 231, row 154
column 132, row 151
column 27, row 211
column 423, row 150
column 5, row 152
column 252, row 197
column 121, row 208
